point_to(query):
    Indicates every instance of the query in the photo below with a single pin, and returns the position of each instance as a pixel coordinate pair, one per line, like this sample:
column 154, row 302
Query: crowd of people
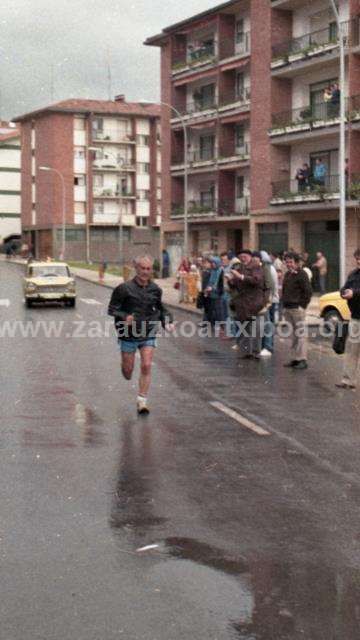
column 245, row 295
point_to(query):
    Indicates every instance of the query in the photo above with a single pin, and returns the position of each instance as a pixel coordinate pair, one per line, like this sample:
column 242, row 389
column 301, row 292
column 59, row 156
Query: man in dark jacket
column 296, row 296
column 247, row 291
column 351, row 293
column 138, row 310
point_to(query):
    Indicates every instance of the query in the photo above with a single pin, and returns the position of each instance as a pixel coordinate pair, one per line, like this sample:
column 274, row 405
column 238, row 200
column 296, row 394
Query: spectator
column 351, row 293
column 247, row 299
column 327, row 95
column 193, row 284
column 214, row 292
column 321, row 266
column 277, row 262
column 320, row 173
column 272, row 313
column 296, row 295
column 226, row 265
column 183, row 270
column 335, row 100
column 205, row 276
column 165, row 264
column 303, row 177
column 303, row 266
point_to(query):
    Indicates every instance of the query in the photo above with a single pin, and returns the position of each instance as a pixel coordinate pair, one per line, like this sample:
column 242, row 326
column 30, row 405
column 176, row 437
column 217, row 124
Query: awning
column 236, row 64
column 237, row 117
column 195, row 76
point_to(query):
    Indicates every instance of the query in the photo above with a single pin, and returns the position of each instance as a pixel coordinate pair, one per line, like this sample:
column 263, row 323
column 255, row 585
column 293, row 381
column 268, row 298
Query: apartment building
column 104, row 182
column 10, row 161
column 249, row 78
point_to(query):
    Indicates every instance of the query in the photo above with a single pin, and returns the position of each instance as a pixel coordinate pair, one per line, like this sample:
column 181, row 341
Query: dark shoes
column 297, row 364
column 345, row 385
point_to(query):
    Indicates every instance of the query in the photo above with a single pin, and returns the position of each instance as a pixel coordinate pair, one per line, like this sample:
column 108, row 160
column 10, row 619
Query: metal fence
column 316, row 39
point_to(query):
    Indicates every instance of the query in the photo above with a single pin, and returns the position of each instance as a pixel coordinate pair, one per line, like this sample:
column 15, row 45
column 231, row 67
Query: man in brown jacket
column 247, row 290
column 296, row 296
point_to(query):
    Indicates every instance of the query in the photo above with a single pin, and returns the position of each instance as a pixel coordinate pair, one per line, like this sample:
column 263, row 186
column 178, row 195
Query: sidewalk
column 170, row 295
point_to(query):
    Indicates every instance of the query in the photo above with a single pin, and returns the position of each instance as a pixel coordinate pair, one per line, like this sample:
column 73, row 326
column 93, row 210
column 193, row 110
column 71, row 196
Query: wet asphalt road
column 258, row 537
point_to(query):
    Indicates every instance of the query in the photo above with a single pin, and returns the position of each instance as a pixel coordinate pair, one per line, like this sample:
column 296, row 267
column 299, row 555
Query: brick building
column 10, row 161
column 109, row 154
column 249, row 78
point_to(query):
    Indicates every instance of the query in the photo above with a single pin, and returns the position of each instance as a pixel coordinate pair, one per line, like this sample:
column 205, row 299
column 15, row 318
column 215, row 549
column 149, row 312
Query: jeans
column 271, row 318
column 322, row 284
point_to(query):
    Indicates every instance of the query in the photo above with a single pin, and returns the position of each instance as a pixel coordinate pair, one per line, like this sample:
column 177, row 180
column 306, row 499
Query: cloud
column 67, row 44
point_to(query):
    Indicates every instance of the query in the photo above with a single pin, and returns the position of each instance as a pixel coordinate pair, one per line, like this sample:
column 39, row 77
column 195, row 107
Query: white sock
column 141, row 398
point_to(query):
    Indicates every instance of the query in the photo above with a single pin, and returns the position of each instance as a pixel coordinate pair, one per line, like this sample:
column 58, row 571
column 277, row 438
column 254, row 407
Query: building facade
column 104, row 182
column 251, row 81
column 10, row 182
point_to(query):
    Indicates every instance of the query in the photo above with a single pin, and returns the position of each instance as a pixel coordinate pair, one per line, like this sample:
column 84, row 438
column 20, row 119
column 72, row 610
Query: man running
column 137, row 309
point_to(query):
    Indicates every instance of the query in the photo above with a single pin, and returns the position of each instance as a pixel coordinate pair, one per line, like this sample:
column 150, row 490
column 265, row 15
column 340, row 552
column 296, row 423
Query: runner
column 137, row 309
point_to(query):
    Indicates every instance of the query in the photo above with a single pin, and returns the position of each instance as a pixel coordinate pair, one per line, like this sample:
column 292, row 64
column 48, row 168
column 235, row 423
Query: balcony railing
column 208, row 154
column 238, row 46
column 202, row 154
column 316, row 41
column 197, row 106
column 110, row 136
column 313, row 189
column 234, row 97
column 214, row 208
column 112, row 193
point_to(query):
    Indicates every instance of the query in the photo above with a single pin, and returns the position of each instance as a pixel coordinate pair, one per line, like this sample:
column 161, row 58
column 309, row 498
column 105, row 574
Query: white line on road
column 90, row 301
column 4, row 303
column 240, row 419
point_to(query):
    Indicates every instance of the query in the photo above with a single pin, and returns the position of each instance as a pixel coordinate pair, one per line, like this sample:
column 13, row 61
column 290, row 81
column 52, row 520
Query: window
column 71, row 235
column 143, row 194
column 79, row 153
column 143, row 141
column 239, row 136
column 79, row 181
column 143, row 167
column 239, row 85
column 98, row 180
column 98, row 124
column 207, row 147
column 141, row 221
column 240, row 184
column 333, row 32
column 239, row 31
column 98, row 207
column 79, row 124
column 214, row 241
column 207, row 197
column 158, row 181
column 204, row 97
column 79, row 207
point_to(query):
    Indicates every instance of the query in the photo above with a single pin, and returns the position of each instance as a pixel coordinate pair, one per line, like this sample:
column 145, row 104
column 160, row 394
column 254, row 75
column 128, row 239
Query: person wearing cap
column 247, row 284
column 214, row 291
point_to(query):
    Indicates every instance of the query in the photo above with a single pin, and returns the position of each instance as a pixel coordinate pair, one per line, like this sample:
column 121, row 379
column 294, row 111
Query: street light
column 183, row 124
column 120, row 162
column 342, row 176
column 58, row 173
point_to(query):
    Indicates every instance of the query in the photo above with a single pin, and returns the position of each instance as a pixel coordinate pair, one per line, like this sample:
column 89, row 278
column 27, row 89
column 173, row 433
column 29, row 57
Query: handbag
column 177, row 285
column 340, row 337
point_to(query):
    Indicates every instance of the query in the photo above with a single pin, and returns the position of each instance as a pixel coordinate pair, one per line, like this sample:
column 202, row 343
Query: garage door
column 324, row 236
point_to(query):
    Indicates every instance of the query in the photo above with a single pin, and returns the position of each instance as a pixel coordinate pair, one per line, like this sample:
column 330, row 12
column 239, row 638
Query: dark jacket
column 144, row 303
column 248, row 296
column 297, row 290
column 353, row 282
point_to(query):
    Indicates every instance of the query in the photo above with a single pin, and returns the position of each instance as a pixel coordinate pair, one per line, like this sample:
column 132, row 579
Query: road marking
column 90, row 301
column 240, row 419
column 4, row 303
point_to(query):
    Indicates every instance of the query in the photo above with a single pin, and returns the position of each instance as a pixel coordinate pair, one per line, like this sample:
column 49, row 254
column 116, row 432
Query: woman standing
column 214, row 292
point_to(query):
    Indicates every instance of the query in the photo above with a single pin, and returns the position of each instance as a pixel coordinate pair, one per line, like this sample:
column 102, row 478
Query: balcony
column 112, row 137
column 290, row 192
column 312, row 118
column 197, row 108
column 111, row 194
column 196, row 57
column 108, row 164
column 313, row 46
column 241, row 154
column 213, row 209
column 233, row 100
column 237, row 47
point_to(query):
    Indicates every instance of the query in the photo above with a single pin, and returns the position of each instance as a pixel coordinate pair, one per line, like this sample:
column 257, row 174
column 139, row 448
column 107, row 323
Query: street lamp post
column 342, row 175
column 186, row 172
column 58, row 173
column 120, row 218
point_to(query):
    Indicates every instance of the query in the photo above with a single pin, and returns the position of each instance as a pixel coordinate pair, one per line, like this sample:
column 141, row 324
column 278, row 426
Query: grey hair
column 145, row 257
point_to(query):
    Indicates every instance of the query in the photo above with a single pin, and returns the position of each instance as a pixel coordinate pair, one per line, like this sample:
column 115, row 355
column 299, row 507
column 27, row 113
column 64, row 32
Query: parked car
column 49, row 281
column 333, row 308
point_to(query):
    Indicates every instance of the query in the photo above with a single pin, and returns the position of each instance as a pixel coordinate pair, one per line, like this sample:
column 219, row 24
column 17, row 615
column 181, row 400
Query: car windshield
column 49, row 271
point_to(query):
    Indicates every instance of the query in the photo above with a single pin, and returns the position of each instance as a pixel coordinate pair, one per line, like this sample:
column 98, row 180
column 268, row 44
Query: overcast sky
column 75, row 38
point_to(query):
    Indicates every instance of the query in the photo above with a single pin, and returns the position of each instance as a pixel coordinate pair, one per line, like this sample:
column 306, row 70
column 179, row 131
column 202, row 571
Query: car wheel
column 71, row 303
column 331, row 319
column 28, row 303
